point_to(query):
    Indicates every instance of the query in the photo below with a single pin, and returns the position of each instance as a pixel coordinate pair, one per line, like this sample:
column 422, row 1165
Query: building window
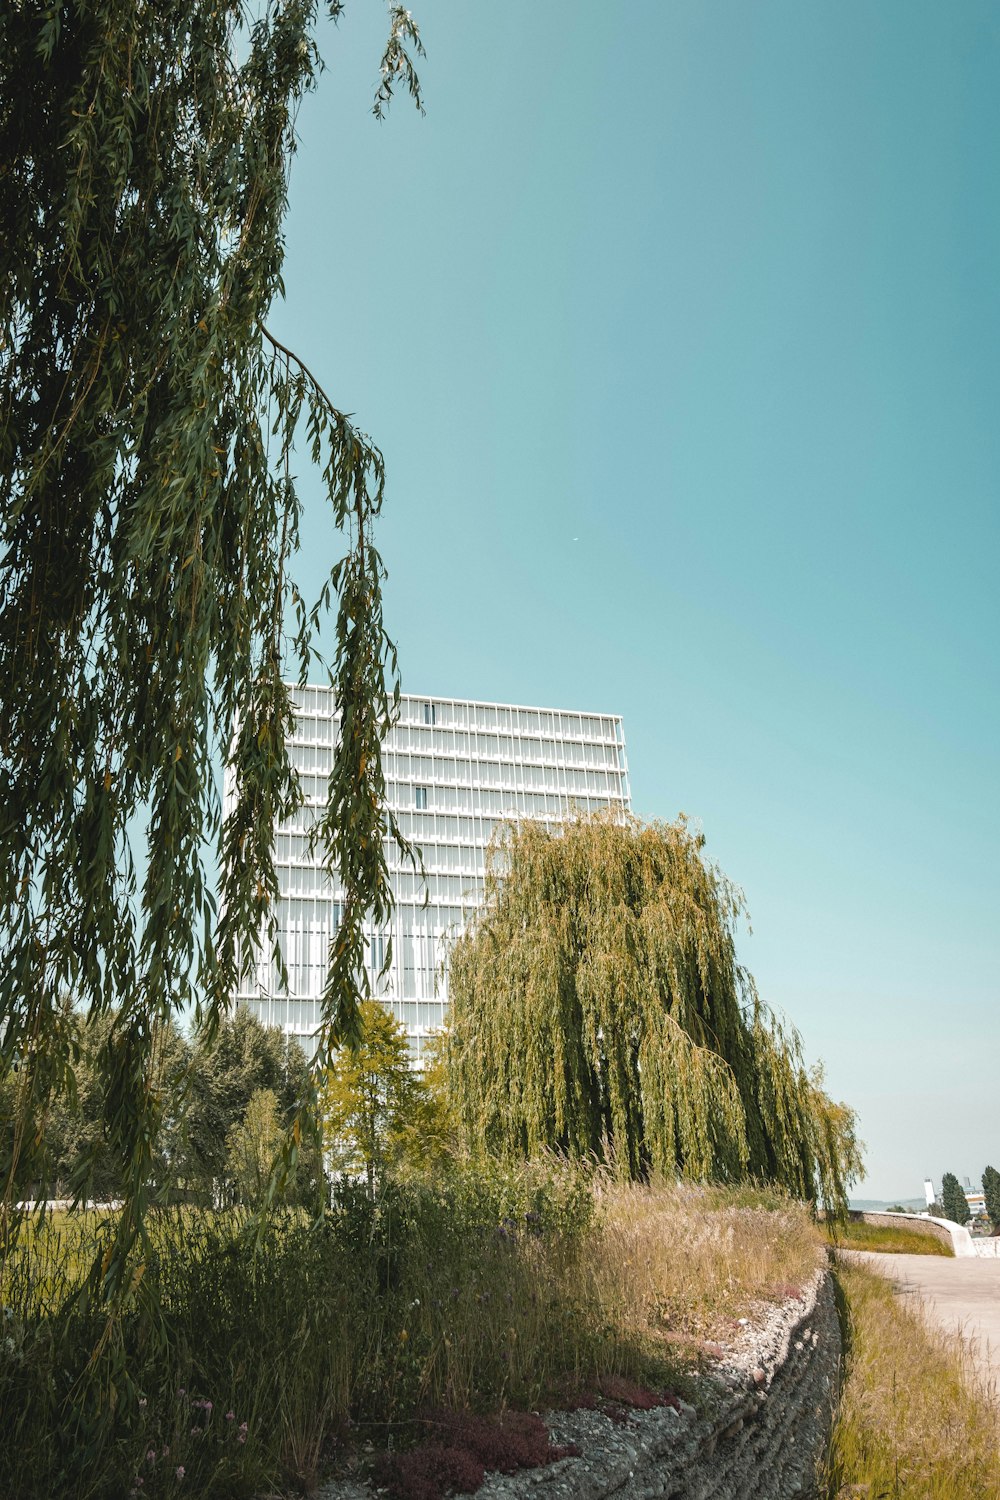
column 429, row 715
column 421, row 798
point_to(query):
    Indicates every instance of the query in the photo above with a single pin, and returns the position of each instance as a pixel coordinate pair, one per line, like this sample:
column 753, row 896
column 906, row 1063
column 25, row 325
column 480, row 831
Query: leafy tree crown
column 598, row 1008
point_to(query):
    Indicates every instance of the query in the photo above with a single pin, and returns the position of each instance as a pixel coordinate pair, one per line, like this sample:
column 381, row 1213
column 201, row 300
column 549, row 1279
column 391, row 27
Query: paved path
column 961, row 1294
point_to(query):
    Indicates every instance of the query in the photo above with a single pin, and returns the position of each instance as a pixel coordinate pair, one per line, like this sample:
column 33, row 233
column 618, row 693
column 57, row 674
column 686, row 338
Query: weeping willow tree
column 597, row 1008
column 149, row 612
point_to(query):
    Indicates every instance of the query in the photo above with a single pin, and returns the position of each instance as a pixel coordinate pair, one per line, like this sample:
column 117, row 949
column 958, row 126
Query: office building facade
column 454, row 769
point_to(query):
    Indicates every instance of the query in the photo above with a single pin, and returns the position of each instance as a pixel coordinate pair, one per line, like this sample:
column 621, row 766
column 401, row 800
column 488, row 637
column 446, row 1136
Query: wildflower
column 142, row 1401
column 207, row 1407
column 243, row 1427
column 166, row 1450
column 151, row 1456
column 182, row 1392
column 403, row 1335
column 230, row 1416
column 180, row 1471
column 241, row 1437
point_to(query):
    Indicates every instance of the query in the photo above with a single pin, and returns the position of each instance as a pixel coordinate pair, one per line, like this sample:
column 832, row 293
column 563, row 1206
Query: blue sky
column 679, row 327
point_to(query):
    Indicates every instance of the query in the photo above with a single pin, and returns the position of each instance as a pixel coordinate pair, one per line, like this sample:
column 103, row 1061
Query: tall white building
column 453, row 770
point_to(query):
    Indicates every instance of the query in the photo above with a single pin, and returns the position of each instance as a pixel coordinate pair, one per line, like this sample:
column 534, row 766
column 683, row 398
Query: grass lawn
column 902, row 1241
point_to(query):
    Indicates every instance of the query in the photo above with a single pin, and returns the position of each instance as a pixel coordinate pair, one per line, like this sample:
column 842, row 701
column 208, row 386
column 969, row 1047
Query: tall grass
column 681, row 1263
column 486, row 1288
column 913, row 1423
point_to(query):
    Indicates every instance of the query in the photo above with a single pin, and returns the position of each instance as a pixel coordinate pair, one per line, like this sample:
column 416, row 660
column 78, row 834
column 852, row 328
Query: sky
column 678, row 324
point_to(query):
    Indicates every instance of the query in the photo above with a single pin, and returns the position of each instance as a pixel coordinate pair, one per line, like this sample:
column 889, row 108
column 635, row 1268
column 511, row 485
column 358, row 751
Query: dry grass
column 857, row 1235
column 680, row 1263
column 912, row 1422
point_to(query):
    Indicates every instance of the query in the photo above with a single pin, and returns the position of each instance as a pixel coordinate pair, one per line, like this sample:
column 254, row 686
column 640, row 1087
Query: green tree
column 79, row 1158
column 69, row 1129
column 991, row 1194
column 242, row 1059
column 149, row 422
column 953, row 1200
column 372, row 1099
column 598, row 1009
column 432, row 1133
column 253, row 1145
column 209, row 1087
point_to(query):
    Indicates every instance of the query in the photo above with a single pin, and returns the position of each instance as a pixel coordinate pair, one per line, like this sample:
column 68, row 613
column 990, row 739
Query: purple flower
column 151, row 1456
column 230, row 1416
column 207, row 1406
column 241, row 1437
column 243, row 1427
column 180, row 1471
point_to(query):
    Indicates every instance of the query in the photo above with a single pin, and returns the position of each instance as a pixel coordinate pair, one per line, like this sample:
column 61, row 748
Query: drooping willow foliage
column 597, row 1008
column 148, row 608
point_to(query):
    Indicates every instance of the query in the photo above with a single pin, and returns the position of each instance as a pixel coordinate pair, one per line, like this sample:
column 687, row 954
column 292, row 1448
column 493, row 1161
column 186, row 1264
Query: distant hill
column 878, row 1205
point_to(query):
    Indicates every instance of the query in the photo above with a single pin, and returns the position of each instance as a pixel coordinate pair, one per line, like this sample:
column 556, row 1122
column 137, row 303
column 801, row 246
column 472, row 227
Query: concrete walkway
column 961, row 1295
